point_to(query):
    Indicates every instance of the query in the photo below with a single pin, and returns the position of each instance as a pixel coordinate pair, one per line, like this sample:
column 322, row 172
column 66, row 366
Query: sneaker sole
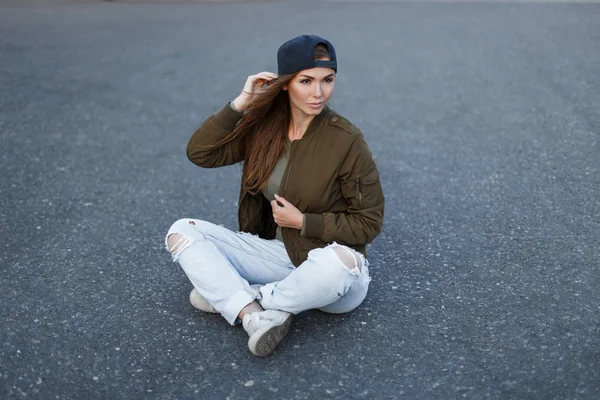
column 264, row 341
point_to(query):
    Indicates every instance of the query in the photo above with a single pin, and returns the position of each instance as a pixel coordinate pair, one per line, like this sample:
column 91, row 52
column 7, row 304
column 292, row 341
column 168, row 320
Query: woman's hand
column 286, row 215
column 253, row 85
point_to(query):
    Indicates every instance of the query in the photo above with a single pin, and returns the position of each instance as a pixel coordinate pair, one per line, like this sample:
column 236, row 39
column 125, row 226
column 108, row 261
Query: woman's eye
column 328, row 80
column 305, row 81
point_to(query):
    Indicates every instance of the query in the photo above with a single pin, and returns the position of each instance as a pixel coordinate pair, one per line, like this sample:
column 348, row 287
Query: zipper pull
column 358, row 192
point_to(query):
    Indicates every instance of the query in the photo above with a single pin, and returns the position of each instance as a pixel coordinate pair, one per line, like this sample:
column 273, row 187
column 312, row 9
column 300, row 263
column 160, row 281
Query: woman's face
column 310, row 90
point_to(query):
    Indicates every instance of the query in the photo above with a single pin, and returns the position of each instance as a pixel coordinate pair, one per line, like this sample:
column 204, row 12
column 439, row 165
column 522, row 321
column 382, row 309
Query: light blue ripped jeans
column 232, row 269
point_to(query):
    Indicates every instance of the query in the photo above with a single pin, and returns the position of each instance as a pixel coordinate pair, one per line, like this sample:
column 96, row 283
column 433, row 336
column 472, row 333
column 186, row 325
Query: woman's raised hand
column 253, row 85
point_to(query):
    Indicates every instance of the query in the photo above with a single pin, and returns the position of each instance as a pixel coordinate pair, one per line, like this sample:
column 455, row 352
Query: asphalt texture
column 484, row 120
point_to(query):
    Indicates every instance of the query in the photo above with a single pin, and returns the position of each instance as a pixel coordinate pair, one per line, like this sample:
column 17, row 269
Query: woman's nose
column 317, row 91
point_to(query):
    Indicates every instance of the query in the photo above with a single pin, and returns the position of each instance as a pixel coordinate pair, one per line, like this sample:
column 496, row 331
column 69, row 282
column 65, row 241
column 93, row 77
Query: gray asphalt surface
column 484, row 120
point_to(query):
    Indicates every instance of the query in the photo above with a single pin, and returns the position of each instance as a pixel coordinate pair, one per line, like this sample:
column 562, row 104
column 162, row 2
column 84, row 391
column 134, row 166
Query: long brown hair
column 264, row 128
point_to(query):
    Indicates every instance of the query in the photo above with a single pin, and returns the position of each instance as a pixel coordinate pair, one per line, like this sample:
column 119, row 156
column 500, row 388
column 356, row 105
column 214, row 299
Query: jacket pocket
column 368, row 188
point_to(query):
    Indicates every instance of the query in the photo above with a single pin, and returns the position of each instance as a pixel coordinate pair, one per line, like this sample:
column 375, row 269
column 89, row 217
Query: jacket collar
column 317, row 122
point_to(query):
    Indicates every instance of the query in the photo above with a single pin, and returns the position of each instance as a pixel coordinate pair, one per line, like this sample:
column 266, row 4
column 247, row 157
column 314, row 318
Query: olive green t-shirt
column 277, row 175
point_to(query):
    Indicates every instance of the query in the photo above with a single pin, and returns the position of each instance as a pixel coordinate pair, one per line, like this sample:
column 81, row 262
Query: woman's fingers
column 254, row 84
column 262, row 76
column 267, row 75
column 281, row 200
column 255, row 81
column 275, row 209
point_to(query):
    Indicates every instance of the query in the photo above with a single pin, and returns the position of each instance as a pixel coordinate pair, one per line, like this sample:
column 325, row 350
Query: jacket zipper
column 287, row 178
column 281, row 192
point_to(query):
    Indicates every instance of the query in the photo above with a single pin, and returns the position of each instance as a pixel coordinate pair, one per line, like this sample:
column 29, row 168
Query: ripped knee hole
column 177, row 242
column 348, row 257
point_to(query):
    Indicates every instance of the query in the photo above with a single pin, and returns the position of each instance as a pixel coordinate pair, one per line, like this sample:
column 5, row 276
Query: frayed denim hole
column 348, row 256
column 182, row 243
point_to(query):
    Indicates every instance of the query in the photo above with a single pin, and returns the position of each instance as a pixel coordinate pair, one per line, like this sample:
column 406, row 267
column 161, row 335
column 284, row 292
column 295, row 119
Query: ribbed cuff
column 303, row 230
column 313, row 225
column 227, row 118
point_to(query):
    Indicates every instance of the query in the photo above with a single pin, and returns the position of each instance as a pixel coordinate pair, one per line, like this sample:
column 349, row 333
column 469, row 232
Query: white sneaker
column 266, row 329
column 200, row 302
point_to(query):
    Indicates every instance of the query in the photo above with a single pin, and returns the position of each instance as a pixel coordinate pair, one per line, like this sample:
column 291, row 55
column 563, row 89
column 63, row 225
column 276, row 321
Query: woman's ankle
column 250, row 308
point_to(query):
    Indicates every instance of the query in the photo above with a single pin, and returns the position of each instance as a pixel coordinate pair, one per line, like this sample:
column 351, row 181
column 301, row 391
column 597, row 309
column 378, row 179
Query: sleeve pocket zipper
column 358, row 192
column 358, row 188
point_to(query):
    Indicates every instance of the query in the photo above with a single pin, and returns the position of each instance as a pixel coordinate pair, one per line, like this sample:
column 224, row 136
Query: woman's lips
column 315, row 105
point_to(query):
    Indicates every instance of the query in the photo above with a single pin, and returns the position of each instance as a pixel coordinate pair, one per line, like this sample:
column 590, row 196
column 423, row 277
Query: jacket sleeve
column 215, row 128
column 362, row 221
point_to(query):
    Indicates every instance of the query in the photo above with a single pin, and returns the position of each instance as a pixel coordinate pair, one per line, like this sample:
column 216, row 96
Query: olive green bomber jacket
column 330, row 177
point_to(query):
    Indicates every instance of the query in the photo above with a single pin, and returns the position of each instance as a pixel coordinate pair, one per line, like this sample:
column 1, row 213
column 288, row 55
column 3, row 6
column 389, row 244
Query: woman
column 310, row 202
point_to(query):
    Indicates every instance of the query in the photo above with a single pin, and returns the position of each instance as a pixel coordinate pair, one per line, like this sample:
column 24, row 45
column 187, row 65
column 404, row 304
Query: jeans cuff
column 265, row 296
column 235, row 304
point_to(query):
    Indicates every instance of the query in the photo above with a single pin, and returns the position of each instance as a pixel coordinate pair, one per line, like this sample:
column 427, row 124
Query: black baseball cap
column 299, row 53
